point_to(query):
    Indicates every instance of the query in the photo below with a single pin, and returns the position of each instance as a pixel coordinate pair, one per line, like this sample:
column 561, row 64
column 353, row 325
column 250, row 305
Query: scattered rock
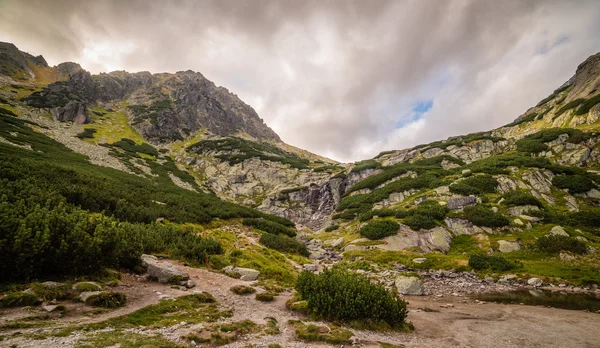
column 535, row 282
column 163, row 271
column 419, row 260
column 461, row 202
column 505, row 246
column 246, row 274
column 558, row 231
column 409, row 285
column 522, row 209
column 506, row 278
column 310, row 267
column 567, row 257
column 334, row 243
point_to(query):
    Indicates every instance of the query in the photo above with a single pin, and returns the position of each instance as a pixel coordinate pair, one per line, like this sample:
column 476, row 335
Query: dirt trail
column 464, row 325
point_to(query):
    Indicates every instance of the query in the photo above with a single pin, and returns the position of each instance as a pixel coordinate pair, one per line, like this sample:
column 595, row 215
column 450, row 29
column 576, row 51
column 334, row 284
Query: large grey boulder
column 558, row 231
column 505, row 246
column 74, row 111
column 163, row 271
column 246, row 274
column 461, row 202
column 535, row 282
column 87, row 294
column 409, row 286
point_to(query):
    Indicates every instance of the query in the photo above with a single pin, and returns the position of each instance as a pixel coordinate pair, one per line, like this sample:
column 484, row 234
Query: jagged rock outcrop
column 74, row 111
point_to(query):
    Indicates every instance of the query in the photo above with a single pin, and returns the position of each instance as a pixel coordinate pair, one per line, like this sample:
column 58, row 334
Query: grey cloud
column 334, row 77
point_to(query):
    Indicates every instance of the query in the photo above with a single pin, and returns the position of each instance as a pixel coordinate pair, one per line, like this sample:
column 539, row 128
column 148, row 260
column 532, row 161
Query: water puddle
column 554, row 299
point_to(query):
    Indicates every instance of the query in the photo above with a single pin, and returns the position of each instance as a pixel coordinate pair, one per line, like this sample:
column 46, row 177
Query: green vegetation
column 87, row 133
column 553, row 95
column 570, row 105
column 585, row 107
column 18, row 299
column 49, row 292
column 494, row 263
column 332, row 228
column 516, row 198
column 378, row 229
column 236, row 150
column 498, row 164
column 526, row 118
column 328, row 168
column 417, row 222
column 557, row 243
column 337, row 294
column 475, row 185
column 131, row 147
column 292, row 190
column 482, row 216
column 242, row 290
column 364, row 165
column 462, row 140
column 107, row 300
column 264, row 297
column 269, row 226
column 314, row 333
column 574, row 183
column 534, row 143
column 283, row 244
column 152, row 112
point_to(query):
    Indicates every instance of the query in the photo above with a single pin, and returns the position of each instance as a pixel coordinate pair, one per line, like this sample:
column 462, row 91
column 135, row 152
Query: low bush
column 417, row 222
column 337, row 294
column 573, row 183
column 332, row 228
column 107, row 300
column 269, row 226
column 399, row 214
column 283, row 244
column 364, row 165
column 87, row 133
column 556, row 243
column 19, row 299
column 430, row 208
column 494, row 263
column 516, row 198
column 570, row 105
column 82, row 287
column 585, row 107
column 475, row 185
column 530, row 146
column 242, row 290
column 527, row 118
column 378, row 229
column 49, row 291
column 482, row 216
column 589, row 218
column 264, row 297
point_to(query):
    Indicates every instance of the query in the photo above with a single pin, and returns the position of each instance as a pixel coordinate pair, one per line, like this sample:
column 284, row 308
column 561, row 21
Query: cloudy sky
column 344, row 79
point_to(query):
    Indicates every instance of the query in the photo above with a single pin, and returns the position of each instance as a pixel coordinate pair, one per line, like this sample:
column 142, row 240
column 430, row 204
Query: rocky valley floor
column 446, row 317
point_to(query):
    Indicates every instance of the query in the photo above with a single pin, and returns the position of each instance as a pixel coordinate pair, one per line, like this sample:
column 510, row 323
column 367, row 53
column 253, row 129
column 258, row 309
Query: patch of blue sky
column 418, row 110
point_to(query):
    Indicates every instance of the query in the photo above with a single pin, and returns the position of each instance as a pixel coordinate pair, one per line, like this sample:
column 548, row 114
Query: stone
column 49, row 308
column 582, row 239
column 558, row 231
column 246, row 274
column 163, row 271
column 518, row 222
column 86, row 294
column 505, row 246
column 461, row 226
column 507, row 278
column 522, row 209
column 353, row 247
column 335, row 243
column 567, row 257
column 495, row 209
column 535, row 282
column 310, row 267
column 409, row 286
column 461, row 202
column 189, row 284
column 419, row 260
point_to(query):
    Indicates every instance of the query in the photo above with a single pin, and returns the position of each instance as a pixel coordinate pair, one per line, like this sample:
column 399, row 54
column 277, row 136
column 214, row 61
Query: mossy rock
column 87, row 286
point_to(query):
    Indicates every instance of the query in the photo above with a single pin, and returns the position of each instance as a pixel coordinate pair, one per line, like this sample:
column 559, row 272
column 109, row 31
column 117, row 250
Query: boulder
column 505, row 246
column 566, row 257
column 163, row 271
column 50, row 308
column 461, row 202
column 522, row 209
column 353, row 247
column 507, row 278
column 409, row 286
column 461, row 226
column 85, row 295
column 247, row 274
column 420, row 260
column 535, row 282
column 310, row 267
column 334, row 243
column 558, row 231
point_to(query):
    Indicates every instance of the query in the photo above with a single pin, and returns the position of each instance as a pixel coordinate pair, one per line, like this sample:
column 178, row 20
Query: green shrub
column 417, row 222
column 130, row 146
column 332, row 228
column 283, row 244
column 569, row 105
column 107, row 300
column 378, row 229
column 269, row 226
column 399, row 214
column 242, row 290
column 556, row 243
column 534, row 143
column 495, row 263
column 526, row 118
column 430, row 208
column 337, row 294
column 19, row 299
column 87, row 287
column 264, row 297
column 530, row 146
column 87, row 133
column 482, row 216
column 516, row 198
column 585, row 107
column 292, row 190
column 589, row 218
column 475, row 185
column 49, row 292
column 573, row 183
column 364, row 165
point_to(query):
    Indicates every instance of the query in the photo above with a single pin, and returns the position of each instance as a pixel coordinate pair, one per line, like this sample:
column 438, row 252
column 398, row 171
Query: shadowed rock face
column 162, row 106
